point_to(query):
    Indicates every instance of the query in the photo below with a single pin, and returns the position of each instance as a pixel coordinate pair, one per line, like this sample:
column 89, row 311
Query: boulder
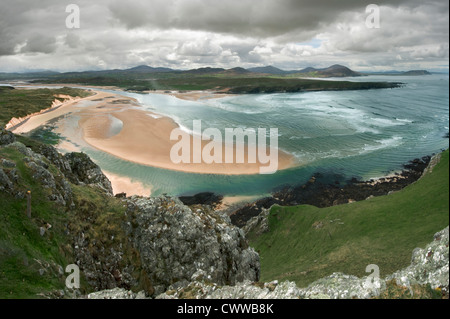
column 87, row 172
column 6, row 137
column 175, row 242
column 5, row 182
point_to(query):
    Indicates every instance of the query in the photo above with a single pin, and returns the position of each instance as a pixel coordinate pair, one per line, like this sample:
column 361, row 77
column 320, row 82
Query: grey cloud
column 187, row 33
column 39, row 44
column 249, row 17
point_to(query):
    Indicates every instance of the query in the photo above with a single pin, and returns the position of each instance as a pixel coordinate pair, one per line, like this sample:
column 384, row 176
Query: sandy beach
column 145, row 140
column 118, row 126
column 123, row 184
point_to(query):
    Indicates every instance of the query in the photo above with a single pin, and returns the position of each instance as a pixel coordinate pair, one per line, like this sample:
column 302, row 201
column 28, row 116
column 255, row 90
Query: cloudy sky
column 185, row 34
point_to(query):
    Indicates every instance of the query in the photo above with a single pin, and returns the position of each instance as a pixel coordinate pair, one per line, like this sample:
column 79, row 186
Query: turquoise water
column 365, row 134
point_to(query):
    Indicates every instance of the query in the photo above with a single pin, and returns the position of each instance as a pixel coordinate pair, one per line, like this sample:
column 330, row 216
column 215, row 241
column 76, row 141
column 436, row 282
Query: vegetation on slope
column 306, row 243
column 22, row 102
column 34, row 252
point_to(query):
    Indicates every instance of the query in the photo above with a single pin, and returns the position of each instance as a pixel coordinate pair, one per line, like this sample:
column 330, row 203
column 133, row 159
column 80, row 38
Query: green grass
column 23, row 251
column 21, row 102
column 382, row 231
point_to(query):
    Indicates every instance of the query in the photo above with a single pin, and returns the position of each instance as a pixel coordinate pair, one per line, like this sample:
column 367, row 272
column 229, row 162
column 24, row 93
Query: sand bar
column 145, row 140
column 118, row 126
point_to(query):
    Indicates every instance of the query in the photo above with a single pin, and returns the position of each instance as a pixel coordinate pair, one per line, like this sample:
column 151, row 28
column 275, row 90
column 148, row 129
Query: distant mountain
column 332, row 71
column 207, row 70
column 395, row 72
column 148, row 69
column 236, row 72
column 268, row 70
column 308, row 70
column 336, row 70
column 416, row 72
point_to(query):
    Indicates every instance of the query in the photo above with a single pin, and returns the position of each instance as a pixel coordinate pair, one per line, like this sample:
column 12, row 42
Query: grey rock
column 428, row 266
column 26, row 151
column 42, row 175
column 258, row 224
column 87, row 172
column 243, row 290
column 175, row 243
column 8, row 164
column 116, row 293
column 5, row 182
column 341, row 286
column 6, row 137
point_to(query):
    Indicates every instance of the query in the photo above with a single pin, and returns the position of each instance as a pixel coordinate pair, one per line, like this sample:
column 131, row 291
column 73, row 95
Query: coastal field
column 20, row 103
column 306, row 243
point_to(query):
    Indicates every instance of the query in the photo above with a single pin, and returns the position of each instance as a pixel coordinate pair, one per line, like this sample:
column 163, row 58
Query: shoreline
column 143, row 138
column 321, row 195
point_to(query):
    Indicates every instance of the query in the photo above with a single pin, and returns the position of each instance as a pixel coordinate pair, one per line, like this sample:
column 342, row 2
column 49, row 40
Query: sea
column 335, row 135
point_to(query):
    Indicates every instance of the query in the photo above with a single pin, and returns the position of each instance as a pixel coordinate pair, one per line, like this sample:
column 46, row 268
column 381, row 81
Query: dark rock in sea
column 322, row 194
column 206, row 198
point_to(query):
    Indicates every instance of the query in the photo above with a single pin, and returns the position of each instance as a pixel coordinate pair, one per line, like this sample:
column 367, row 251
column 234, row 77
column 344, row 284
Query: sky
column 187, row 34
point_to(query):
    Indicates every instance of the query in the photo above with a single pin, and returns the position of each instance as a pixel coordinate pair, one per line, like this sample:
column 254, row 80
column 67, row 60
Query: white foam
column 404, row 120
column 155, row 116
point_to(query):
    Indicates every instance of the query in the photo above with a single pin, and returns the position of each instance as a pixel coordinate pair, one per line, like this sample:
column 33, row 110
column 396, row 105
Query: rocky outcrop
column 6, row 137
column 5, row 182
column 429, row 266
column 87, row 172
column 177, row 244
column 116, row 293
column 258, row 224
column 76, row 168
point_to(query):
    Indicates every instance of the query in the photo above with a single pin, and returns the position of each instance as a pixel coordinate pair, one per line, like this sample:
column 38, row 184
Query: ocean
column 344, row 134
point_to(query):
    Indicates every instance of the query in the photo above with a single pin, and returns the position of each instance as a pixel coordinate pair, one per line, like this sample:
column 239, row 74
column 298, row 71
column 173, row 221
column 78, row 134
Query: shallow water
column 364, row 134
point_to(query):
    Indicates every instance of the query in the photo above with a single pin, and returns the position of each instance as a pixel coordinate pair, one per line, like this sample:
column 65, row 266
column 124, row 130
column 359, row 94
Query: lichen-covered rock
column 243, row 290
column 5, row 182
column 116, row 293
column 57, row 159
column 258, row 224
column 6, row 137
column 341, row 286
column 428, row 266
column 87, row 172
column 42, row 175
column 176, row 242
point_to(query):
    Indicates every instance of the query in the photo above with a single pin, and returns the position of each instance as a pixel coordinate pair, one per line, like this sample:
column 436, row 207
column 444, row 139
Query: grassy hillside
column 21, row 102
column 32, row 264
column 306, row 243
